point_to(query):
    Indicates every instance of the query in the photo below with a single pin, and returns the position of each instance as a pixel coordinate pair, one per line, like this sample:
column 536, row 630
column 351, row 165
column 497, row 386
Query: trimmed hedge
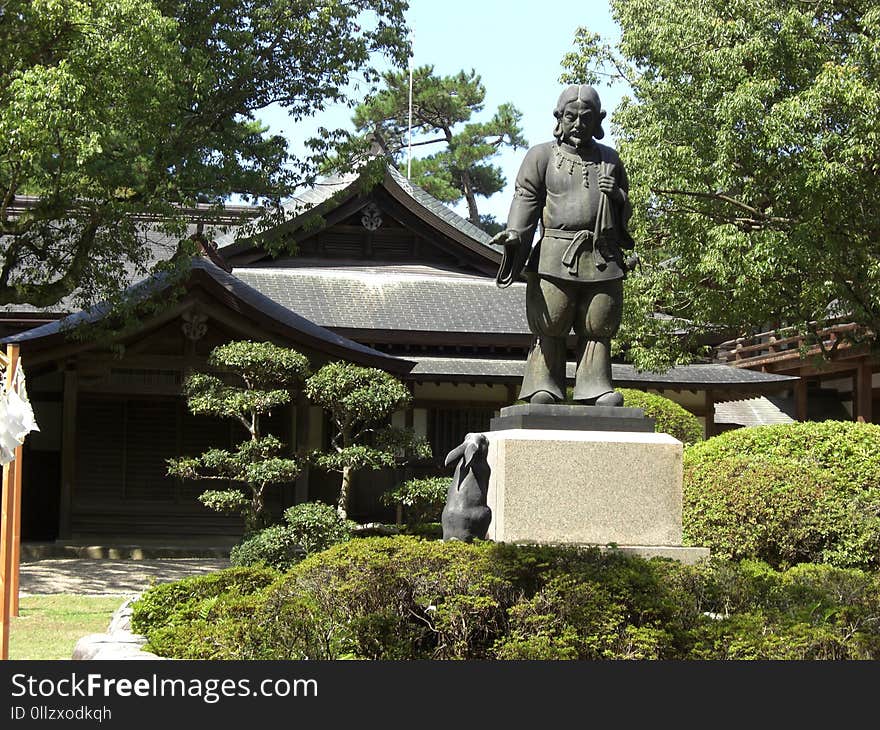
column 671, row 418
column 310, row 527
column 184, row 599
column 275, row 546
column 403, row 598
column 789, row 493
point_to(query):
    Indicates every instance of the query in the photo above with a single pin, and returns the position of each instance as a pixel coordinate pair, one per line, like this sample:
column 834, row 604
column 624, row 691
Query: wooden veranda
column 837, row 352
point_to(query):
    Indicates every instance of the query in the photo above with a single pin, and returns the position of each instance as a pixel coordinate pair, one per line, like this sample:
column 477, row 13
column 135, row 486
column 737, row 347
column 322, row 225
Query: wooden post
column 800, row 396
column 7, row 525
column 68, row 453
column 709, row 416
column 864, row 392
column 6, row 559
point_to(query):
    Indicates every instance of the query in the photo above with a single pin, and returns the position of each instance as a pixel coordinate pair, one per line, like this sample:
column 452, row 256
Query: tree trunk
column 470, row 197
column 345, row 490
column 255, row 519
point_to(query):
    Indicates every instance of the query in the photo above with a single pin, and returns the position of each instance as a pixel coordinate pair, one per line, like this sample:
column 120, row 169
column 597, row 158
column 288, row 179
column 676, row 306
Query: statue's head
column 579, row 116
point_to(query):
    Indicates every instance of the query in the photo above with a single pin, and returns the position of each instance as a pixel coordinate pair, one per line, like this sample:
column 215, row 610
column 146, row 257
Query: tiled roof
column 696, row 377
column 381, row 300
column 238, row 289
column 760, row 411
column 428, row 201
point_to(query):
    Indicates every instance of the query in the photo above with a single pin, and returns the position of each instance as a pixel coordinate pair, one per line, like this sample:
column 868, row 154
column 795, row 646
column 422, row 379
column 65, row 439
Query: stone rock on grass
column 118, row 643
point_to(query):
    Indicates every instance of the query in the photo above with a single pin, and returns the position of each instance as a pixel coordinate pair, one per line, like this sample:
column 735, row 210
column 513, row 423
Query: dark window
column 447, row 427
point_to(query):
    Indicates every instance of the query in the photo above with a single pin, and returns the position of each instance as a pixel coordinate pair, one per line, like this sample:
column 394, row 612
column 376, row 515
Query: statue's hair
column 586, row 94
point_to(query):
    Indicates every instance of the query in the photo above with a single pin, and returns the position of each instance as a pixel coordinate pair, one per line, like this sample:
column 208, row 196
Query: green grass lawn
column 48, row 627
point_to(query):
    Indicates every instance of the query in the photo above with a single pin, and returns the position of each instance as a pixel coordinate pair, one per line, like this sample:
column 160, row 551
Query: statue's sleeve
column 529, row 194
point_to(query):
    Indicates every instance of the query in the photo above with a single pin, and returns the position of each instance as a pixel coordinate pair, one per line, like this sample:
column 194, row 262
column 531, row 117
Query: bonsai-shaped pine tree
column 360, row 401
column 265, row 376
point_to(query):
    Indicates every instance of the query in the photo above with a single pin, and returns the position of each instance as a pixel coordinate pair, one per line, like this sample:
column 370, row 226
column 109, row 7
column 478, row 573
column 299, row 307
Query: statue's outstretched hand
column 506, row 238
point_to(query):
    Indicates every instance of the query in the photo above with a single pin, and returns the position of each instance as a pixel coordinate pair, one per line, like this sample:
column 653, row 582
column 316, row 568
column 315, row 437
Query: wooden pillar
column 6, row 514
column 68, row 453
column 863, row 392
column 10, row 496
column 709, row 408
column 800, row 399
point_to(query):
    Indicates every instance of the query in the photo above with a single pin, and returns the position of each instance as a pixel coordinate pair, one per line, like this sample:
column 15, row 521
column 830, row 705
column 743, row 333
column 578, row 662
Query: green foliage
column 260, row 364
column 224, row 501
column 670, row 417
column 113, row 112
column 422, row 500
column 276, row 546
column 356, row 396
column 360, row 401
column 353, row 458
column 751, row 139
column 787, row 493
column 309, row 528
column 181, row 600
column 442, row 107
column 266, row 377
column 316, row 526
column 403, row 598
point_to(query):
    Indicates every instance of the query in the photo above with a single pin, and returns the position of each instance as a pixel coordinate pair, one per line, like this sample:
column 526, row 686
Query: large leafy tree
column 118, row 112
column 360, row 402
column 752, row 140
column 442, row 111
column 250, row 380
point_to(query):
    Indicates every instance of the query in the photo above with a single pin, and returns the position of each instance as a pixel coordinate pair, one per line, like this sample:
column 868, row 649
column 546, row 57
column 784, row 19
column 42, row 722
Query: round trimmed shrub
column 670, row 417
column 310, row 527
column 316, row 526
column 788, row 493
column 743, row 507
column 276, row 546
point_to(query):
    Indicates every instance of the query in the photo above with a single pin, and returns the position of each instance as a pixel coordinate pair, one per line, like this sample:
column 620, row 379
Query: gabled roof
column 403, row 298
column 239, row 297
column 332, row 192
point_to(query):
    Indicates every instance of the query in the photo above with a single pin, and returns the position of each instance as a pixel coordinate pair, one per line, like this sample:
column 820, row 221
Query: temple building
column 385, row 277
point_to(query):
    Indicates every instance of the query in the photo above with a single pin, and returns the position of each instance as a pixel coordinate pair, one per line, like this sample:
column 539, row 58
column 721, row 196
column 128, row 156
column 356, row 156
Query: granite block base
column 586, row 487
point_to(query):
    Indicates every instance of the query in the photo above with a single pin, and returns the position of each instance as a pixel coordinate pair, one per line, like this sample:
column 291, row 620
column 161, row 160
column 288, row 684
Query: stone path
column 91, row 577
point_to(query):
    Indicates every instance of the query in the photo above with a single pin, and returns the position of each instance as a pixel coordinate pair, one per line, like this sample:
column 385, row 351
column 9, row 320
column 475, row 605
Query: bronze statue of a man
column 578, row 190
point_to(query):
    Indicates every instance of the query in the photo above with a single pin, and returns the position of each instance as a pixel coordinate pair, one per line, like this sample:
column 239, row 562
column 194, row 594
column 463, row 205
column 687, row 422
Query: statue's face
column 578, row 122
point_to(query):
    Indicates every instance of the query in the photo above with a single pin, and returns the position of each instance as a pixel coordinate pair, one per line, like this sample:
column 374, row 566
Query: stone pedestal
column 588, row 487
column 563, row 417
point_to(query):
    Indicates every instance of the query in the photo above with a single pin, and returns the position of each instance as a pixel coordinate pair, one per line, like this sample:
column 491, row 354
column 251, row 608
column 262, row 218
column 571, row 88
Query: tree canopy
column 254, row 378
column 360, row 402
column 117, row 113
column 442, row 109
column 752, row 142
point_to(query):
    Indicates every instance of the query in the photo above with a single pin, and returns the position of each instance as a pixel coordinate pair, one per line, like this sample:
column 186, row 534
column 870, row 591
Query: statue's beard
column 579, row 140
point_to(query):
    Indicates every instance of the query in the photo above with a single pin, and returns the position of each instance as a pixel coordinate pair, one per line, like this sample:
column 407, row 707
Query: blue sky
column 517, row 49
